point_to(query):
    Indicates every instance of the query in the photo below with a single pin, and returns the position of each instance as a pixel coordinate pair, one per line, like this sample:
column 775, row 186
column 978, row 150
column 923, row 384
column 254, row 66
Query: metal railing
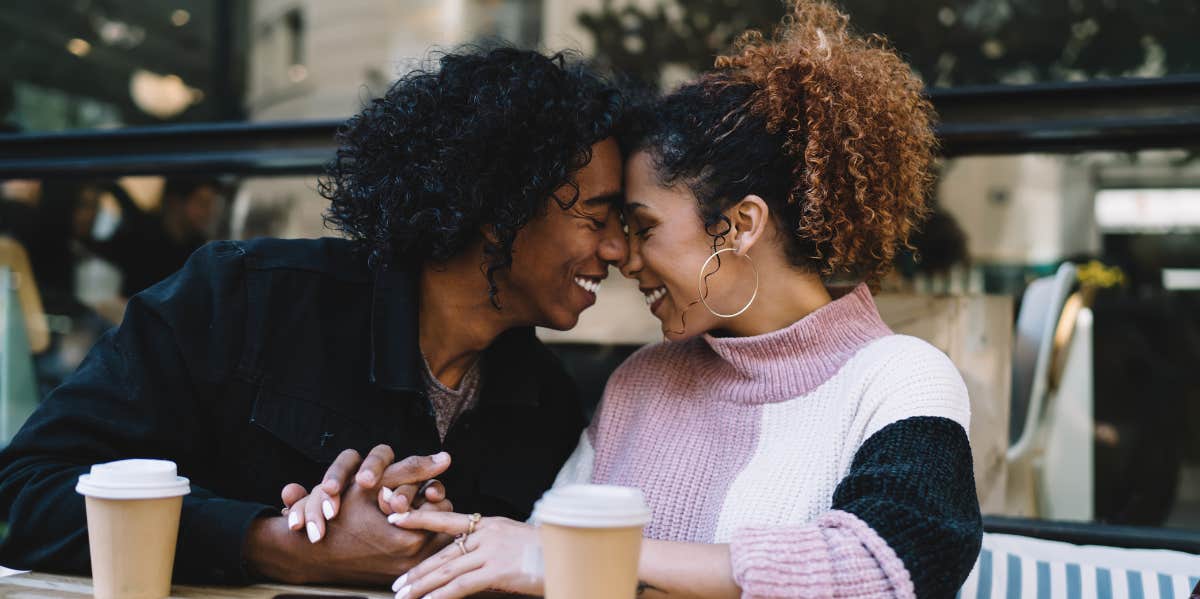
column 1089, row 533
column 1118, row 114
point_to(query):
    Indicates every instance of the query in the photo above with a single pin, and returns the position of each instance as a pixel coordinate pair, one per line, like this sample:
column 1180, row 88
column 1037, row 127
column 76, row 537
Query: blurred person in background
column 937, row 252
column 18, row 205
column 57, row 239
column 149, row 246
column 56, row 230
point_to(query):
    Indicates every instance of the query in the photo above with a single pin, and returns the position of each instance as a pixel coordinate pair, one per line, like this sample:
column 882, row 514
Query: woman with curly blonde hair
column 789, row 444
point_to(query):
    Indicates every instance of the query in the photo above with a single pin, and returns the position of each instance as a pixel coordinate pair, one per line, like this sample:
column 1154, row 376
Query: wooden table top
column 36, row 585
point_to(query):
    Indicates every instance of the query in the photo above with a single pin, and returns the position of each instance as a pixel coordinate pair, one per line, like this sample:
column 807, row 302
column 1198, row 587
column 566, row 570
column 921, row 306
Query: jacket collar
column 395, row 349
column 510, row 363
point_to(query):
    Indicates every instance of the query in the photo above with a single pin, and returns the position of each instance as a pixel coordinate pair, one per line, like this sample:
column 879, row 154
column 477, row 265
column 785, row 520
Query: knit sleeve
column 836, row 556
column 913, row 484
column 904, row 522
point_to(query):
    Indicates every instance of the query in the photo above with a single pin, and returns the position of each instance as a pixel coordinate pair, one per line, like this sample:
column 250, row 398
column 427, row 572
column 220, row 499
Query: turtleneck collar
column 795, row 360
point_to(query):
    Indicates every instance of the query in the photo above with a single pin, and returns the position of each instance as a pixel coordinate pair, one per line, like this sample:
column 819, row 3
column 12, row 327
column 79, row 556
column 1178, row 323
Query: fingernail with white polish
column 402, row 593
column 314, row 535
column 399, row 583
column 293, row 519
column 394, row 518
column 441, row 458
column 327, row 509
column 387, row 494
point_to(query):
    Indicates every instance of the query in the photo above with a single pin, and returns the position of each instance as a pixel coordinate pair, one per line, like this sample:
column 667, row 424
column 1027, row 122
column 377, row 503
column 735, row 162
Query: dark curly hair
column 831, row 130
column 483, row 141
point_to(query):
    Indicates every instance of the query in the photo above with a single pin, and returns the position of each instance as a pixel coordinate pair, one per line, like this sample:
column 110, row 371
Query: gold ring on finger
column 461, row 542
column 474, row 519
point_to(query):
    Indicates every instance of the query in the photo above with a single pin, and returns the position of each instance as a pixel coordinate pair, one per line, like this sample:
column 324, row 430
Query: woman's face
column 668, row 245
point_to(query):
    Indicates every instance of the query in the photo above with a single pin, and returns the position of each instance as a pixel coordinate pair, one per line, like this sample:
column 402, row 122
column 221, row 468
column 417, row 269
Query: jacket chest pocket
column 316, row 431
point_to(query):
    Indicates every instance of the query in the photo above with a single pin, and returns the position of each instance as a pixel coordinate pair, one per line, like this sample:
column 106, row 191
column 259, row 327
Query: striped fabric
column 1011, row 567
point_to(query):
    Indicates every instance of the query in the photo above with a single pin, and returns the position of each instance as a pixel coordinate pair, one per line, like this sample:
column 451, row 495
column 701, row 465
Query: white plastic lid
column 592, row 506
column 133, row 479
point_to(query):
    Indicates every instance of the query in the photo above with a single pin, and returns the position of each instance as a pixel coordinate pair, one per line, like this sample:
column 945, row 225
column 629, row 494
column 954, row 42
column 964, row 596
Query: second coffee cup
column 591, row 540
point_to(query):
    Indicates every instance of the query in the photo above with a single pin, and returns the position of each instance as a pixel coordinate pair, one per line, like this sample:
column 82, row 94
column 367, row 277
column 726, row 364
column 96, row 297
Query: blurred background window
column 83, row 64
column 949, row 42
column 111, row 63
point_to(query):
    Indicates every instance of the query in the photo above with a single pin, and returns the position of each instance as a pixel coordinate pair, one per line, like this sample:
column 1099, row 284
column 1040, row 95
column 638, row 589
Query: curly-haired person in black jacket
column 476, row 201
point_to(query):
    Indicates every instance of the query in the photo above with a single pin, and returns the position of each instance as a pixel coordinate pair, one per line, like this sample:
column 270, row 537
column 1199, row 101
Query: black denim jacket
column 254, row 366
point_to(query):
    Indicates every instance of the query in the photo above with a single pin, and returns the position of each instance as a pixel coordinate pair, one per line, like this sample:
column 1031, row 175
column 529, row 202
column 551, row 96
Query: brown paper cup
column 591, row 538
column 133, row 546
column 590, row 563
column 133, row 509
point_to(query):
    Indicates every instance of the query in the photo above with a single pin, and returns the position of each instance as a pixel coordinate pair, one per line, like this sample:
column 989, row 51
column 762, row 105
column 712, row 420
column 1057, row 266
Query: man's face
column 200, row 210
column 560, row 257
column 86, row 209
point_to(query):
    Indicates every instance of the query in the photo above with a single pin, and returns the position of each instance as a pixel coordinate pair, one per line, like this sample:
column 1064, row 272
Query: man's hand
column 401, row 486
column 361, row 546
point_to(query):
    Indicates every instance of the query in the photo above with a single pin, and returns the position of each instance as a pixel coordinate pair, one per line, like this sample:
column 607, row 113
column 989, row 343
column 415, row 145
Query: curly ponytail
column 832, row 129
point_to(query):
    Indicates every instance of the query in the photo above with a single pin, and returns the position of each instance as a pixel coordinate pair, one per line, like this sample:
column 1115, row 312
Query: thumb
column 416, row 469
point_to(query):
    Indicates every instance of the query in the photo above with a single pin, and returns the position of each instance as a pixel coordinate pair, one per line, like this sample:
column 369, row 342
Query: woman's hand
column 490, row 558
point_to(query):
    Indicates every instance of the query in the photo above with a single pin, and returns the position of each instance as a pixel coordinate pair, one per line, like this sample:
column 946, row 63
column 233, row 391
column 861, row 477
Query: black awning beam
column 1117, row 114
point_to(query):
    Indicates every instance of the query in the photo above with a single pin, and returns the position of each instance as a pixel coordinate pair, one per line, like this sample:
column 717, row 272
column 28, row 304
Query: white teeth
column 655, row 295
column 592, row 286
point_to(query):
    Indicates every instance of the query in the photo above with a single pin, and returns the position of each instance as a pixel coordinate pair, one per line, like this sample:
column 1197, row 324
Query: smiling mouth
column 653, row 295
column 589, row 284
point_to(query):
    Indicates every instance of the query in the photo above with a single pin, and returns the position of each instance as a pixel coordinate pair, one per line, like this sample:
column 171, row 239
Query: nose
column 633, row 262
column 614, row 249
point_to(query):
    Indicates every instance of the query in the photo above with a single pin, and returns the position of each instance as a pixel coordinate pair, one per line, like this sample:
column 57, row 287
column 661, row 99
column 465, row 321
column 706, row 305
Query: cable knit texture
column 745, row 440
column 838, row 556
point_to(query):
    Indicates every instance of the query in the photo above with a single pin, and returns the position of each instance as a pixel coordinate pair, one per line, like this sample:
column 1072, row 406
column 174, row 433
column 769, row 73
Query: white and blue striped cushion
column 1014, row 567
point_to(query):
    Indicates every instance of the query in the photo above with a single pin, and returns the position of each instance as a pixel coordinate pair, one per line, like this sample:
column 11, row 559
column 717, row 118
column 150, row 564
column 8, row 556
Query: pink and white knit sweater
column 743, row 441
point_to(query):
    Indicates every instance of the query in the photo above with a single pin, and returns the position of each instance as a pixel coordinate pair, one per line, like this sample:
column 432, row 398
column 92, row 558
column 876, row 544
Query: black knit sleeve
column 912, row 482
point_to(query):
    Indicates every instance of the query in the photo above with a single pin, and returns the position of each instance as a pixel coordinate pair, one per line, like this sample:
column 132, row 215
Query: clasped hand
column 410, row 531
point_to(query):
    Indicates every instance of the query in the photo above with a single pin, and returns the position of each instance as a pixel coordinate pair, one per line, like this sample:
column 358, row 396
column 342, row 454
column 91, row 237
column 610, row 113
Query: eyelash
column 644, row 232
column 597, row 225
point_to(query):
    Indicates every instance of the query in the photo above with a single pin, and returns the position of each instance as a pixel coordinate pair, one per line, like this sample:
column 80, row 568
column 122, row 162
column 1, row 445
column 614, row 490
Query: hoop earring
column 700, row 285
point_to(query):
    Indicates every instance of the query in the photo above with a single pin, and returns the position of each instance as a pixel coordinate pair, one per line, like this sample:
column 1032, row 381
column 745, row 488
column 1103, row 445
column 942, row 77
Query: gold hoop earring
column 700, row 285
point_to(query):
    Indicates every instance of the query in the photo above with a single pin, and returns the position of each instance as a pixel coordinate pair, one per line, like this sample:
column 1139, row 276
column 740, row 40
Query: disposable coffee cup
column 133, row 511
column 591, row 539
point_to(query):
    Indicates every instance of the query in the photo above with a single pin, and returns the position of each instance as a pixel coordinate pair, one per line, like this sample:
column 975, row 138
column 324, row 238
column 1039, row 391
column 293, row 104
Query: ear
column 749, row 219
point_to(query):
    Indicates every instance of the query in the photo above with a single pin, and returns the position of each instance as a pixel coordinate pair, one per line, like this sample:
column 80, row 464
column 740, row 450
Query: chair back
column 1033, row 345
column 1017, row 567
